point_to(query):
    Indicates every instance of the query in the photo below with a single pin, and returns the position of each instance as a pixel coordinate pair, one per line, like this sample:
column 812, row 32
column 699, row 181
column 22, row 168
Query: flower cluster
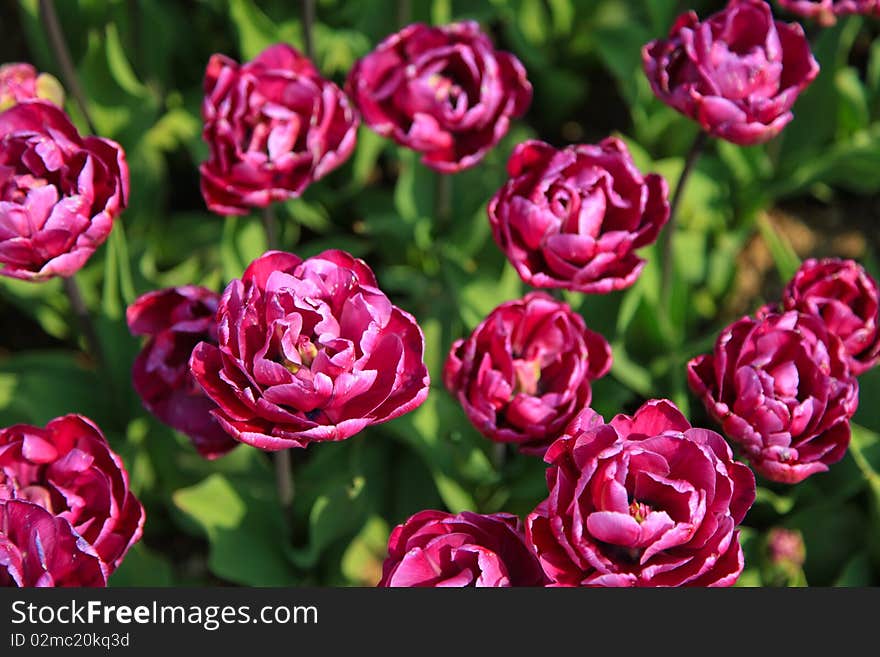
column 782, row 384
column 826, row 12
column 300, row 351
column 645, row 500
column 67, row 515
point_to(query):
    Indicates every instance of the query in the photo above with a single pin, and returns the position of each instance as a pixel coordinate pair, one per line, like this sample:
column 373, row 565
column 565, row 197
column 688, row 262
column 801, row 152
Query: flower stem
column 666, row 246
column 283, row 464
column 499, row 455
column 284, row 480
column 84, row 320
column 443, row 199
column 270, row 226
column 403, row 12
column 65, row 62
column 308, row 20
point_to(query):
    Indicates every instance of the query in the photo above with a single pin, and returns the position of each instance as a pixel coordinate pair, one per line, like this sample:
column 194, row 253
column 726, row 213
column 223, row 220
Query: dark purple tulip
column 645, row 500
column 525, row 371
column 781, row 389
column 20, row 82
column 845, row 298
column 308, row 351
column 826, row 12
column 443, row 91
column 273, row 126
column 69, row 469
column 39, row 549
column 737, row 73
column 59, row 192
column 176, row 320
column 438, row 549
column 573, row 218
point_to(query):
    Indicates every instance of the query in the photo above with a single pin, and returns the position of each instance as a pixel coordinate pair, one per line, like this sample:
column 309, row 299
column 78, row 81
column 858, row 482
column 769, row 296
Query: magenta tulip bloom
column 645, row 500
column 826, row 12
column 59, row 192
column 20, row 82
column 273, row 126
column 39, row 549
column 785, row 548
column 573, row 218
column 309, row 350
column 444, row 92
column 845, row 298
column 780, row 387
column 526, row 370
column 176, row 320
column 437, row 549
column 69, row 469
column 737, row 73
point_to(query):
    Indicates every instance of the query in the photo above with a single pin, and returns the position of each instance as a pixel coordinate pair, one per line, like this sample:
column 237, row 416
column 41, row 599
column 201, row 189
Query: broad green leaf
column 362, row 561
column 37, row 386
column 865, row 450
column 455, row 496
column 334, row 515
column 119, row 66
column 143, row 567
column 415, row 189
column 856, row 572
column 244, row 529
column 243, row 241
column 846, row 523
column 784, row 257
column 782, row 504
column 853, row 113
column 256, row 31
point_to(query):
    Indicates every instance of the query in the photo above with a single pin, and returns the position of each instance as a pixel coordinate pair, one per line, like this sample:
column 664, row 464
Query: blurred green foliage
column 141, row 64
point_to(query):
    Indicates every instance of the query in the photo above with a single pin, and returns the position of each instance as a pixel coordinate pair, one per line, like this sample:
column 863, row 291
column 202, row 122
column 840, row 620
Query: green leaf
column 782, row 504
column 142, row 567
column 244, row 529
column 334, row 515
column 369, row 147
column 533, row 21
column 856, row 572
column 415, row 188
column 847, row 526
column 256, row 31
column 454, row 495
column 853, row 112
column 362, row 561
column 37, row 386
column 242, row 242
column 865, row 450
column 119, row 66
column 784, row 257
column 629, row 373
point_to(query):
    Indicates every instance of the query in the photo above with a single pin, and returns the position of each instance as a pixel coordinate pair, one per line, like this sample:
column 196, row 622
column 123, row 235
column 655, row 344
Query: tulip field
column 563, row 293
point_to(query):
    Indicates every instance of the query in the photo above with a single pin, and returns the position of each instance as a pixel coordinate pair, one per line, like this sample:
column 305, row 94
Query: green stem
column 499, row 455
column 270, row 226
column 443, row 200
column 666, row 242
column 404, row 11
column 284, row 480
column 65, row 61
column 84, row 320
column 308, row 20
